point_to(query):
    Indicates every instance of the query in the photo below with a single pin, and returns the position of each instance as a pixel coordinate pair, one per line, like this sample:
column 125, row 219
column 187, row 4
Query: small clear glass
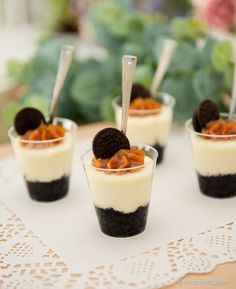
column 121, row 196
column 214, row 160
column 151, row 127
column 46, row 165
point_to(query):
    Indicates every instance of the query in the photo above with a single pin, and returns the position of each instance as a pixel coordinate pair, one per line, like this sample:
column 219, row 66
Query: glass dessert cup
column 121, row 196
column 214, row 160
column 152, row 126
column 46, row 164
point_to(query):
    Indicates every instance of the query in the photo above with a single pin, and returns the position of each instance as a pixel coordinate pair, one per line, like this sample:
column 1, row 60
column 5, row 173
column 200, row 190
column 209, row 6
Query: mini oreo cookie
column 26, row 119
column 139, row 90
column 195, row 122
column 206, row 112
column 109, row 141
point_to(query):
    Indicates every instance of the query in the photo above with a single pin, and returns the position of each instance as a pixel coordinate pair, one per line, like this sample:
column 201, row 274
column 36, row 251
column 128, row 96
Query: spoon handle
column 167, row 53
column 128, row 71
column 66, row 56
column 233, row 99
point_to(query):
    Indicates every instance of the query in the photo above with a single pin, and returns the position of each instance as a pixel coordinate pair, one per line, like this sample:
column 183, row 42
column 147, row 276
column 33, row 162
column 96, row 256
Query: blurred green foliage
column 60, row 17
column 202, row 66
column 173, row 7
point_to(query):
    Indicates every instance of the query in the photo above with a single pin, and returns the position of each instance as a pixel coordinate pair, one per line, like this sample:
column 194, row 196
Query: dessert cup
column 152, row 126
column 214, row 160
column 46, row 164
column 121, row 196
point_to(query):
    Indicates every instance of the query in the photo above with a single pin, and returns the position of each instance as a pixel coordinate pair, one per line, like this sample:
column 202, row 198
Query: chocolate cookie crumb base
column 221, row 186
column 160, row 150
column 48, row 191
column 117, row 224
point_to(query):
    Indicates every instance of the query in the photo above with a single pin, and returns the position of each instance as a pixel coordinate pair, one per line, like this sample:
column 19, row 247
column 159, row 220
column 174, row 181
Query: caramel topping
column 121, row 160
column 43, row 133
column 144, row 104
column 221, row 127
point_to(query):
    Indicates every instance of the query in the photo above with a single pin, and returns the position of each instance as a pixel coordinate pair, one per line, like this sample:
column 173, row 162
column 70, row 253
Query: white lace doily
column 165, row 265
column 26, row 262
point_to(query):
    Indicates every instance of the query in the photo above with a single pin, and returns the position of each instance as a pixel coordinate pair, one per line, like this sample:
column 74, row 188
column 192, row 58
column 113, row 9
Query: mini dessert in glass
column 213, row 138
column 149, row 118
column 120, row 181
column 44, row 153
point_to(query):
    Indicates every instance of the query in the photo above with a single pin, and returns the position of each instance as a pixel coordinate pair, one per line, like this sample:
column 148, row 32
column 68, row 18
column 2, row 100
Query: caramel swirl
column 121, row 160
column 43, row 133
column 222, row 127
column 147, row 104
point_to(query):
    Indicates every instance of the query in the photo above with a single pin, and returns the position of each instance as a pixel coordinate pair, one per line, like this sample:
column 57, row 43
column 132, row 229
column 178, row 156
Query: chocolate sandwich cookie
column 139, row 90
column 205, row 112
column 27, row 119
column 108, row 141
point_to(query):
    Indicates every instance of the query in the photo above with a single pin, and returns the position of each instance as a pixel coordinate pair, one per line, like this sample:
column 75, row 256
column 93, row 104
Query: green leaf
column 222, row 55
column 229, row 77
column 187, row 28
column 186, row 59
column 133, row 49
column 174, row 7
column 89, row 89
column 182, row 90
column 207, row 50
column 36, row 101
column 144, row 75
column 9, row 112
column 14, row 69
column 208, row 85
column 107, row 111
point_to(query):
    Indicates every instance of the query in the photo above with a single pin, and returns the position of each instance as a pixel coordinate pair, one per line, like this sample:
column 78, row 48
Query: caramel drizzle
column 150, row 106
column 121, row 160
column 221, row 128
column 43, row 133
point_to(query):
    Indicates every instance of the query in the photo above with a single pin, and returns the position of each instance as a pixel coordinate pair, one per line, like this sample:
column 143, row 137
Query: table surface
column 222, row 272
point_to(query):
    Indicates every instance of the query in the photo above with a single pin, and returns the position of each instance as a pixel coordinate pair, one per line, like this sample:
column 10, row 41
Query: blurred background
column 33, row 31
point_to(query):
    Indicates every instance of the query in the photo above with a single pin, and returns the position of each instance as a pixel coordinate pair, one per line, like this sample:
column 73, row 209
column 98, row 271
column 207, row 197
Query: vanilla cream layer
column 150, row 129
column 124, row 193
column 213, row 158
column 45, row 164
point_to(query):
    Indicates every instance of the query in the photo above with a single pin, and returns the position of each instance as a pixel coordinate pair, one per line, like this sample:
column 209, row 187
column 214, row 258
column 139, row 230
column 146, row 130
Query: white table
column 70, row 227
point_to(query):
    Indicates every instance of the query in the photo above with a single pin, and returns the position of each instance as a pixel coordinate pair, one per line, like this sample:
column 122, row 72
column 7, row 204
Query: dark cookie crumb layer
column 48, row 191
column 160, row 150
column 222, row 186
column 117, row 224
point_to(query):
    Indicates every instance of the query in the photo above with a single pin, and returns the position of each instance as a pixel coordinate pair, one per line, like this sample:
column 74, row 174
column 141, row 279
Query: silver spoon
column 167, row 54
column 128, row 71
column 66, row 56
column 233, row 100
